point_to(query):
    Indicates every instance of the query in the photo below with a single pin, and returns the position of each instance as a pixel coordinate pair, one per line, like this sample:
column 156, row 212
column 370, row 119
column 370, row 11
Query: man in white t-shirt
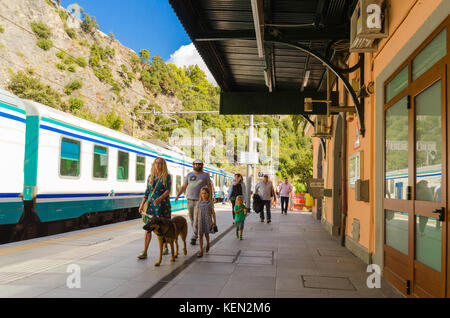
column 285, row 191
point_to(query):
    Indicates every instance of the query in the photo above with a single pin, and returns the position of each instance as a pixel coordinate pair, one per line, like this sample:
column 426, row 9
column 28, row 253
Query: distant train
column 59, row 172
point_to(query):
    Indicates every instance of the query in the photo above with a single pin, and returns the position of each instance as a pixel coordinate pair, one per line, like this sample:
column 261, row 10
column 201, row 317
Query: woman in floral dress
column 159, row 184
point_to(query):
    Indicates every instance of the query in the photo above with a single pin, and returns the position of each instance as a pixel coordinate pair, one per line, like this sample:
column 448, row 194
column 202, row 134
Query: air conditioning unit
column 369, row 22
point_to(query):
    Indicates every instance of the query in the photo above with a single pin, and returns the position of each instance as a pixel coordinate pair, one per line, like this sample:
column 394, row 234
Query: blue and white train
column 59, row 172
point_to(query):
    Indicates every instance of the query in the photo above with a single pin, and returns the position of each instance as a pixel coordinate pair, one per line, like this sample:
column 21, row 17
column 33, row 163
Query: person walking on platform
column 157, row 194
column 285, row 192
column 240, row 212
column 194, row 181
column 224, row 193
column 236, row 188
column 265, row 190
column 277, row 193
column 205, row 219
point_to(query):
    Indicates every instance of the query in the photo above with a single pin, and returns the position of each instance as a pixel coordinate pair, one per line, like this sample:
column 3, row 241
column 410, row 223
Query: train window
column 100, row 168
column 122, row 165
column 69, row 158
column 178, row 187
column 140, row 168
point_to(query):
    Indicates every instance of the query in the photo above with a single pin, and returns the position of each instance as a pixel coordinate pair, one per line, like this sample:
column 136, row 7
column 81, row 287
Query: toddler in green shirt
column 240, row 212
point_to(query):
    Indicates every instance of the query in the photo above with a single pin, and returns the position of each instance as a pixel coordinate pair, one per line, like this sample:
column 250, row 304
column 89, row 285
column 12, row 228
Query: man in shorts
column 193, row 183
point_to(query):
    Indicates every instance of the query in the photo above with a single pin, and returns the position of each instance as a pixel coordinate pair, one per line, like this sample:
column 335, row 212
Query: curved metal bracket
column 324, row 148
column 359, row 105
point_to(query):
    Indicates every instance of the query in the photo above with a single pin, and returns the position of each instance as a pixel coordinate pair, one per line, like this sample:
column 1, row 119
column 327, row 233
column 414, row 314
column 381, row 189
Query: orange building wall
column 405, row 18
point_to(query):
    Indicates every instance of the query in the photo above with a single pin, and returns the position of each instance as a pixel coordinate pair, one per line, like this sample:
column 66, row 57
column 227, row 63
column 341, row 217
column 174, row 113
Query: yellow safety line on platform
column 28, row 246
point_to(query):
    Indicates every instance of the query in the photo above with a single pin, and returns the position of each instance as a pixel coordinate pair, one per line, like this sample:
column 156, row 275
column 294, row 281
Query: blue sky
column 138, row 24
column 145, row 24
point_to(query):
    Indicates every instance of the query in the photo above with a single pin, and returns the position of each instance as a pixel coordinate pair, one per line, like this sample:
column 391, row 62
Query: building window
column 397, row 84
column 140, row 168
column 100, row 165
column 69, row 158
column 432, row 53
column 122, row 165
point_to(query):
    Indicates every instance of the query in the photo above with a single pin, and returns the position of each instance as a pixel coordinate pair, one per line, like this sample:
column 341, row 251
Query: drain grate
column 250, row 257
column 259, row 229
column 327, row 282
column 332, row 252
column 220, row 257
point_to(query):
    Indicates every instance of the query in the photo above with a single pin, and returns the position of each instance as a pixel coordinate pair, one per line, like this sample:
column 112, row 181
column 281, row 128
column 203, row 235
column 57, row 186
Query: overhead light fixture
column 258, row 31
column 267, row 80
column 306, row 79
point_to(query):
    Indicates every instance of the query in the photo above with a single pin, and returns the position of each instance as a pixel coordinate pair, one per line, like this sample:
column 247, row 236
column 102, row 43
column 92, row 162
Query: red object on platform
column 298, row 201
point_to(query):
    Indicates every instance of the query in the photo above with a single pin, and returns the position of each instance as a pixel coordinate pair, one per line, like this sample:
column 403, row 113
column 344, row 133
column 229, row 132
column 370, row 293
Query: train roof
column 11, row 99
column 38, row 109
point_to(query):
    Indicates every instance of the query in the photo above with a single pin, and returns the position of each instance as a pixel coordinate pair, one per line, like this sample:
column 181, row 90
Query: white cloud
column 188, row 55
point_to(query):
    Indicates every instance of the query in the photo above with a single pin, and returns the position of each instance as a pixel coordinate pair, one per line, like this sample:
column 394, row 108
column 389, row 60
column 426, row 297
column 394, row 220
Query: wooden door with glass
column 415, row 204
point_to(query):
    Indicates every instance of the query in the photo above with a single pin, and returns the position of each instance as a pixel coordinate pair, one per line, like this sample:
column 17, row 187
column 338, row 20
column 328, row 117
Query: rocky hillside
column 49, row 56
column 89, row 73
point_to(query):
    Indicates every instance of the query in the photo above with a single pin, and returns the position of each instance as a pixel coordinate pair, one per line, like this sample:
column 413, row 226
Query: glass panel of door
column 428, row 157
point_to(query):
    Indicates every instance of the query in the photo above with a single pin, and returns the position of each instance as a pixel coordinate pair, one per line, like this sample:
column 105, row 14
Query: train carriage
column 12, row 142
column 62, row 172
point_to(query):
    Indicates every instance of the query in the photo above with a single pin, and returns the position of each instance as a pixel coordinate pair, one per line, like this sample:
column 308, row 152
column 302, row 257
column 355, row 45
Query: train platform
column 290, row 257
column 106, row 256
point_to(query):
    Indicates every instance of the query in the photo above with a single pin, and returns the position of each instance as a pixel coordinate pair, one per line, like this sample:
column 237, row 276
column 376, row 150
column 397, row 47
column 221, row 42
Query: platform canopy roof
column 235, row 39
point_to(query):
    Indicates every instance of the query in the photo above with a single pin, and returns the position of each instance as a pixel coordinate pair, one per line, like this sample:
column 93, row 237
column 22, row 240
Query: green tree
column 144, row 55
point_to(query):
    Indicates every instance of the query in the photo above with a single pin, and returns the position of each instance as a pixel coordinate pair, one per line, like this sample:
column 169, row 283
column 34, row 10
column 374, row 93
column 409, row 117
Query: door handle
column 441, row 212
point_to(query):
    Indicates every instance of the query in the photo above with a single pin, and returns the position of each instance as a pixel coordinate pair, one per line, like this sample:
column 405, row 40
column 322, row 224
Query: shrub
column 68, row 60
column 45, row 44
column 63, row 15
column 75, row 103
column 81, row 61
column 104, row 74
column 142, row 102
column 83, row 42
column 94, row 61
column 1, row 29
column 145, row 55
column 71, row 68
column 61, row 55
column 72, row 86
column 89, row 24
column 114, row 121
column 116, row 88
column 41, row 30
column 61, row 67
column 29, row 87
column 71, row 32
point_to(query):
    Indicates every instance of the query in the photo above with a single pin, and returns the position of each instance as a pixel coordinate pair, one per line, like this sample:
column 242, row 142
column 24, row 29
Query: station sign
column 314, row 187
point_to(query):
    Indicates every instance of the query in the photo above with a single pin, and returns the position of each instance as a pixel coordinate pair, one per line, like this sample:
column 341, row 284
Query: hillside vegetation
column 49, row 56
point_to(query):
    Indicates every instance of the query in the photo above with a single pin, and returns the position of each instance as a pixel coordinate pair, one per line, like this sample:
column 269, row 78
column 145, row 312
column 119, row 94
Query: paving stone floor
column 292, row 257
